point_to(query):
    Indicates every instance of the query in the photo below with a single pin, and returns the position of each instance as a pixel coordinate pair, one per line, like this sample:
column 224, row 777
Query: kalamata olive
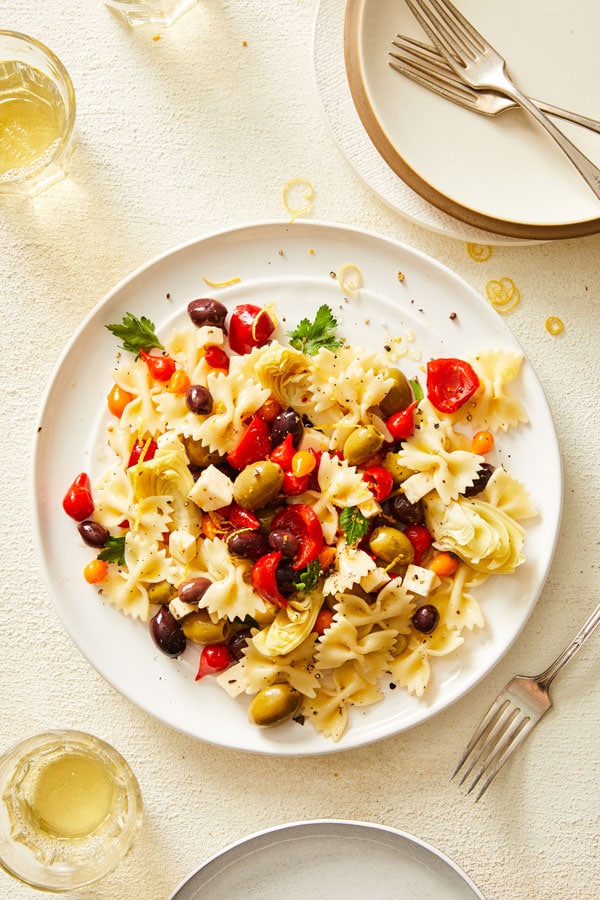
column 161, row 592
column 238, row 643
column 426, row 618
column 402, row 510
column 391, row 545
column 167, row 633
column 198, row 454
column 257, row 484
column 285, row 576
column 398, row 471
column 247, row 543
column 284, row 541
column 199, row 628
column 274, row 704
column 287, row 422
column 207, row 312
column 399, row 395
column 194, row 589
column 93, row 533
column 362, row 444
column 484, row 474
column 198, row 399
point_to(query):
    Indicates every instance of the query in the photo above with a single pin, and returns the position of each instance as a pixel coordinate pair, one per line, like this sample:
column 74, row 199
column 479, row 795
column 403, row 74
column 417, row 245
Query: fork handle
column 585, row 121
column 547, row 677
column 584, row 166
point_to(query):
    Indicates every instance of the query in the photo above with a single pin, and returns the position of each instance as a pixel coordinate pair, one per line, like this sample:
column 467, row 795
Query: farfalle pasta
column 291, row 515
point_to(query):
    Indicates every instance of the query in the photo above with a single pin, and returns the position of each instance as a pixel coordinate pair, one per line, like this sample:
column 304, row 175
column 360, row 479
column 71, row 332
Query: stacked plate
column 497, row 180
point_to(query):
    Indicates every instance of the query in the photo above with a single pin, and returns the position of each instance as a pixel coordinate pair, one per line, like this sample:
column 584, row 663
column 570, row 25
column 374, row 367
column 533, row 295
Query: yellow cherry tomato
column 95, row 571
column 118, row 399
column 482, row 443
column 444, row 564
column 303, row 463
column 178, row 382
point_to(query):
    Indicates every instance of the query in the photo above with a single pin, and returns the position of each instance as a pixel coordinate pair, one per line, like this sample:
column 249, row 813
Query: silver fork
column 423, row 64
column 478, row 64
column 515, row 712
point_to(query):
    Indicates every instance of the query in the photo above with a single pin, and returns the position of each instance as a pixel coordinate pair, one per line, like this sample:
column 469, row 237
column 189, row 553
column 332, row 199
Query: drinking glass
column 161, row 12
column 70, row 810
column 37, row 115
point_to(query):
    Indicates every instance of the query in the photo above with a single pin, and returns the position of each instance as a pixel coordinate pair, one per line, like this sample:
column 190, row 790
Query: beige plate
column 502, row 174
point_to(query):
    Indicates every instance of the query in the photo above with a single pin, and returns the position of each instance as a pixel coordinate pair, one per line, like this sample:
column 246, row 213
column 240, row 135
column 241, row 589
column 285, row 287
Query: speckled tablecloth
column 176, row 138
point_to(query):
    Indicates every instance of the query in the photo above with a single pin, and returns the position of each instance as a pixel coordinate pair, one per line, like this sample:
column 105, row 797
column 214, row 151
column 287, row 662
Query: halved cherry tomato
column 283, row 453
column 141, row 451
column 303, row 522
column 255, row 445
column 160, row 367
column 216, row 358
column 239, row 517
column 269, row 410
column 264, row 578
column 214, row 658
column 77, row 502
column 292, row 485
column 421, row 539
column 380, row 481
column 401, row 424
column 250, row 326
column 450, row 383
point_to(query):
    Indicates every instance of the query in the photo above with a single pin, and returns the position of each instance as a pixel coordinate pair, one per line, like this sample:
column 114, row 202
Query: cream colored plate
column 503, row 174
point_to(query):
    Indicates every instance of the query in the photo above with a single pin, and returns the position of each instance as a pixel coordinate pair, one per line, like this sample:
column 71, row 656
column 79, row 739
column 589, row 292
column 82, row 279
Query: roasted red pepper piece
column 420, row 538
column 255, row 445
column 264, row 578
column 401, row 425
column 302, row 521
column 239, row 517
column 294, row 484
column 250, row 326
column 380, row 481
column 283, row 453
column 77, row 502
column 160, row 367
column 214, row 658
column 140, row 447
column 450, row 383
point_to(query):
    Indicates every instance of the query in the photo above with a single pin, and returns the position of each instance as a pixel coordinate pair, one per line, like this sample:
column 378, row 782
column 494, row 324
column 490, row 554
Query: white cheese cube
column 419, row 580
column 374, row 580
column 212, row 490
column 182, row 545
column 179, row 609
column 416, row 486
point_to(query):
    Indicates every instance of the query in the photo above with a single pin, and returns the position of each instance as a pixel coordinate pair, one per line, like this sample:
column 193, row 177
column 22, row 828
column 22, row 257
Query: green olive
column 257, row 484
column 198, row 454
column 274, row 704
column 391, row 545
column 398, row 472
column 401, row 644
column 399, row 396
column 362, row 444
column 199, row 628
column 162, row 592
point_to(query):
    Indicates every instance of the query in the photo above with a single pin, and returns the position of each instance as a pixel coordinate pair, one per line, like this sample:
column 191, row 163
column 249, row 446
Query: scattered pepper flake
column 503, row 294
column 479, row 252
column 554, row 325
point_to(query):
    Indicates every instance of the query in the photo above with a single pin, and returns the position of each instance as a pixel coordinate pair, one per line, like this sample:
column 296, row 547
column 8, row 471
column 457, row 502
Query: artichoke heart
column 282, row 370
column 166, row 475
column 290, row 627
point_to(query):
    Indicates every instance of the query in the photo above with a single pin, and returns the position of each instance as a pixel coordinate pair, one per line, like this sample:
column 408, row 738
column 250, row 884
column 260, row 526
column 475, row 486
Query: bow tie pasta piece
column 256, row 671
column 141, row 413
column 235, row 400
column 393, row 608
column 371, row 652
column 145, row 563
column 231, row 593
column 328, row 710
column 456, row 605
column 508, row 494
column 494, row 407
column 412, row 668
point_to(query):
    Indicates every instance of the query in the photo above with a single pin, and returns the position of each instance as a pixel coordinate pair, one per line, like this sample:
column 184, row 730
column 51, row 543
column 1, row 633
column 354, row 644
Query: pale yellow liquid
column 73, row 795
column 32, row 116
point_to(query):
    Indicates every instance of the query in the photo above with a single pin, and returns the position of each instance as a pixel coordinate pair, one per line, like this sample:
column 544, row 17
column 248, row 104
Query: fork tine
column 455, row 20
column 483, row 729
column 496, row 748
column 494, row 734
column 420, row 63
column 505, row 754
column 446, row 89
column 437, row 31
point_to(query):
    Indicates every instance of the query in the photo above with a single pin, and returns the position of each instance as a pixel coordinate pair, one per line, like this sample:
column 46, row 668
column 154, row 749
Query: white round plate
column 502, row 173
column 328, row 858
column 288, row 265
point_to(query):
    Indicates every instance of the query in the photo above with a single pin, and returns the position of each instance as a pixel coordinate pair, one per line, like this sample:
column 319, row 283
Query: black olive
column 402, row 510
column 93, row 533
column 199, row 399
column 426, row 618
column 207, row 312
column 484, row 474
column 287, row 422
column 247, row 543
column 167, row 633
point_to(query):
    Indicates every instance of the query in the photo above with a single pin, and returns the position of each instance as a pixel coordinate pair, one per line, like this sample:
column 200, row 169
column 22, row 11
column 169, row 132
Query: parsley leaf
column 136, row 334
column 306, row 579
column 311, row 336
column 114, row 551
column 353, row 524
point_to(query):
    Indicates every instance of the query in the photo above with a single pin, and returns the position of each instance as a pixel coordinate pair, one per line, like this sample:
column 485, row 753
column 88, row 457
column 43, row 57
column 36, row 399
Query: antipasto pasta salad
column 310, row 518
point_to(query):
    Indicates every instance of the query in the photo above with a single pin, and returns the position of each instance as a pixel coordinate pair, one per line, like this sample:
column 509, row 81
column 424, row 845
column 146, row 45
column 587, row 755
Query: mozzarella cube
column 182, row 545
column 416, row 486
column 212, row 490
column 419, row 580
column 179, row 609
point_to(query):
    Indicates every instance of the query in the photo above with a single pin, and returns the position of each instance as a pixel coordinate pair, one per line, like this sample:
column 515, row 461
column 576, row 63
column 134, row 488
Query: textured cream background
column 177, row 138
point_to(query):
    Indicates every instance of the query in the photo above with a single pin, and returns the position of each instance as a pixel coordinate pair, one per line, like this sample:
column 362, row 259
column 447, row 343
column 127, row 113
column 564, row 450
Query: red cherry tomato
column 401, row 425
column 255, row 445
column 241, row 518
column 264, row 578
column 77, row 502
column 293, row 485
column 380, row 481
column 140, row 447
column 420, row 538
column 302, row 521
column 160, row 367
column 450, row 383
column 214, row 658
column 216, row 358
column 250, row 326
column 283, row 453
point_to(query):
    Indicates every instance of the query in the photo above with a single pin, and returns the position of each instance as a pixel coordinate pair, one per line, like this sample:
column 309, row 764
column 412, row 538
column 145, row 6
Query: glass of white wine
column 70, row 810
column 37, row 115
column 158, row 12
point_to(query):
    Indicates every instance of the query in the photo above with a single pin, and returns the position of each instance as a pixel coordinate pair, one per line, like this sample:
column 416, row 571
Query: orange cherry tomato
column 95, row 571
column 482, row 443
column 117, row 400
column 444, row 564
column 178, row 382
